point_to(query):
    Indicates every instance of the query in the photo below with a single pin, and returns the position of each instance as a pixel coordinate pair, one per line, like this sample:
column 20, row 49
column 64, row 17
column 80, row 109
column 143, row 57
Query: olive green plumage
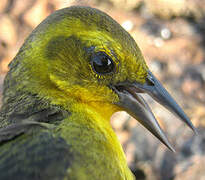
column 26, row 157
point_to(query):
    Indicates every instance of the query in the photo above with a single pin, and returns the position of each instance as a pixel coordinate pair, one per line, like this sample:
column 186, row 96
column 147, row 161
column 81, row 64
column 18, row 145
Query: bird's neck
column 95, row 134
column 96, row 110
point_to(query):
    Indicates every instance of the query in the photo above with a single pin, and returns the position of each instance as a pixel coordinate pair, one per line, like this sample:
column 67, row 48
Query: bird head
column 81, row 55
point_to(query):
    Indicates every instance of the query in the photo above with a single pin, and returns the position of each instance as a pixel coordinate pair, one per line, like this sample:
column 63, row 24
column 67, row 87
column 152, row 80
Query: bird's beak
column 135, row 105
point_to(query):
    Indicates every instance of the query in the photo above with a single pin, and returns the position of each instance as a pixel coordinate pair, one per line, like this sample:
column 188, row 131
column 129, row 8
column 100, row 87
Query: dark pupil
column 102, row 63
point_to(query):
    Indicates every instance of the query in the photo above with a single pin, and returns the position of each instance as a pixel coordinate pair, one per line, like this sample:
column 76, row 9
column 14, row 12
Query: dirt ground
column 171, row 35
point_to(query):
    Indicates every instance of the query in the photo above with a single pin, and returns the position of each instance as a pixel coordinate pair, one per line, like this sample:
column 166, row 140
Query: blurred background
column 171, row 35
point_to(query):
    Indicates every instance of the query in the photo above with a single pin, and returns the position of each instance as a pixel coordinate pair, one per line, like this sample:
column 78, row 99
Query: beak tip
column 168, row 145
column 192, row 127
column 172, row 149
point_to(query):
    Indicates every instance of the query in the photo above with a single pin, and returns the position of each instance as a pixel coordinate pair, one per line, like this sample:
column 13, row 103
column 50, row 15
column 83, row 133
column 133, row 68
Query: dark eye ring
column 102, row 63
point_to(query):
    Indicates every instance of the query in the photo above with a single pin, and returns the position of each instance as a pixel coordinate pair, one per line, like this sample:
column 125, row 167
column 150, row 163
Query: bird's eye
column 102, row 63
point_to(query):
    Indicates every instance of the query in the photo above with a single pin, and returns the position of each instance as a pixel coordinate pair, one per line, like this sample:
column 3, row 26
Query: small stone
column 166, row 33
column 127, row 25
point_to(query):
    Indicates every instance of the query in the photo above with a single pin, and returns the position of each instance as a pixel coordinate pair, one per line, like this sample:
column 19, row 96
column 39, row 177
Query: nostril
column 150, row 81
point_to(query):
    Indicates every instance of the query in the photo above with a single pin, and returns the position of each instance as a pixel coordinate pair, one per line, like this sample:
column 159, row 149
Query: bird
column 76, row 69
